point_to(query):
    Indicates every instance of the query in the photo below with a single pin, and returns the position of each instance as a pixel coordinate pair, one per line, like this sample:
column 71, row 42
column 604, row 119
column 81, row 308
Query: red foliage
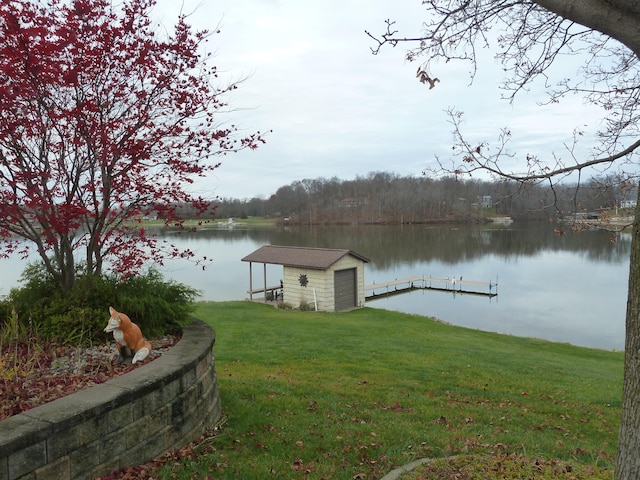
column 102, row 122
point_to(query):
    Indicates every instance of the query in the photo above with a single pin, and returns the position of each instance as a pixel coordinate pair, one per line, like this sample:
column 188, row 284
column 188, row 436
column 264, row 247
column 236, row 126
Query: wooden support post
column 265, row 281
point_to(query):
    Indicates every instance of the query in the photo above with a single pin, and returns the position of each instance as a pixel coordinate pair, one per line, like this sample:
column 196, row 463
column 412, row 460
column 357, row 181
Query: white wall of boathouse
column 320, row 289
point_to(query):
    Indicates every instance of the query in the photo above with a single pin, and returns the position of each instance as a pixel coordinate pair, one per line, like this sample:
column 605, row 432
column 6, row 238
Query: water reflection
column 569, row 288
column 387, row 245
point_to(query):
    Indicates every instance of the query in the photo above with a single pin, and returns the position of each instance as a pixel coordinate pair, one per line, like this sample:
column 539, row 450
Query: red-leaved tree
column 102, row 121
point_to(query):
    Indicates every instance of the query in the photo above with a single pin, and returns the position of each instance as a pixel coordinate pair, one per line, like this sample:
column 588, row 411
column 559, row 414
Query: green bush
column 306, row 306
column 157, row 305
column 79, row 316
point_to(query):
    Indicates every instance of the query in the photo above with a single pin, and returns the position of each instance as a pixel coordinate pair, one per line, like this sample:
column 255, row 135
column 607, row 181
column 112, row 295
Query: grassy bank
column 355, row 395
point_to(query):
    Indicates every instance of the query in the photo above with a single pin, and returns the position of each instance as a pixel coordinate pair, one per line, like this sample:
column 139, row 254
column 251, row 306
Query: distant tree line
column 386, row 198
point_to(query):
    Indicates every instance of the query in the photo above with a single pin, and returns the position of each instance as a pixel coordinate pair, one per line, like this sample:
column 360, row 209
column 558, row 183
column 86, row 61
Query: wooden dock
column 270, row 293
column 449, row 284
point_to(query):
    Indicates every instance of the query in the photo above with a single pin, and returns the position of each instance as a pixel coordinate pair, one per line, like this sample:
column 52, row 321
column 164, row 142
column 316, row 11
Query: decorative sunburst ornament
column 303, row 280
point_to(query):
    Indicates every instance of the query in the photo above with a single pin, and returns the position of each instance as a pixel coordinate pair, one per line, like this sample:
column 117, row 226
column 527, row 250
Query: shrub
column 157, row 305
column 79, row 316
column 306, row 306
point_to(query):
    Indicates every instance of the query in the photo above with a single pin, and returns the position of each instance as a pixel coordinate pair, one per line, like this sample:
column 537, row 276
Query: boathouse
column 326, row 279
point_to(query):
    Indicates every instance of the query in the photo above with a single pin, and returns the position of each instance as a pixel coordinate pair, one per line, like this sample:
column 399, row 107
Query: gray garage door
column 345, row 288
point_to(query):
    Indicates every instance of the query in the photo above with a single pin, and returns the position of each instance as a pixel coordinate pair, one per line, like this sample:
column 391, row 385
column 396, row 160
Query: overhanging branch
column 574, row 168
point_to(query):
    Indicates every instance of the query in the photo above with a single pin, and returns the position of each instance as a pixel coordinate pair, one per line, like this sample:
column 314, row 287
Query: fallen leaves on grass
column 504, row 466
column 149, row 471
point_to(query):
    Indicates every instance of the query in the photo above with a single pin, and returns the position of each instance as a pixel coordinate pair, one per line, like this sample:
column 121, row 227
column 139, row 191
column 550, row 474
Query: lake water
column 570, row 288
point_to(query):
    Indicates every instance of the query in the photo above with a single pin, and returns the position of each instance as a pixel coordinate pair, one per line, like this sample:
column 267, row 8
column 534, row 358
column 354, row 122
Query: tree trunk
column 66, row 265
column 628, row 460
column 615, row 18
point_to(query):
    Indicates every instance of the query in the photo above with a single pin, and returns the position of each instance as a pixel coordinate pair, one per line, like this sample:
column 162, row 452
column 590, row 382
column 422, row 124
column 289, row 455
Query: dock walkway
column 449, row 284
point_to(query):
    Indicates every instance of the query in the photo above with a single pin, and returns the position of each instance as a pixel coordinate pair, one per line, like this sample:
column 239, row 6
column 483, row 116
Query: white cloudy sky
column 337, row 110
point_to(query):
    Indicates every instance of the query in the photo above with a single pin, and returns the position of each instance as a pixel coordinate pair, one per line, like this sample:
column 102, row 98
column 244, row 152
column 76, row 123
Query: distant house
column 328, row 279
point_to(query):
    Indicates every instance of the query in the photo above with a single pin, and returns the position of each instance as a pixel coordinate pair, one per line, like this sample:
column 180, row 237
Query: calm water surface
column 570, row 288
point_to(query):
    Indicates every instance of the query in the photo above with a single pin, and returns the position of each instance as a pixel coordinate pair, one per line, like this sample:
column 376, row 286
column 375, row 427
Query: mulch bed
column 31, row 375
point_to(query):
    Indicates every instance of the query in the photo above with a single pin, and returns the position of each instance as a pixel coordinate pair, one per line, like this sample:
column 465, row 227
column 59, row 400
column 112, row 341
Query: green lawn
column 309, row 395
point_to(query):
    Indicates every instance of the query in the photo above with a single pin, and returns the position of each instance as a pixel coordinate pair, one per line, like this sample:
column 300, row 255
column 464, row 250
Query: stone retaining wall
column 126, row 421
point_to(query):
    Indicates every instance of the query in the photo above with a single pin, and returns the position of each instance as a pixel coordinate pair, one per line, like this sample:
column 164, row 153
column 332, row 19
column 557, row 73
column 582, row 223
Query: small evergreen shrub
column 306, row 306
column 158, row 305
column 79, row 316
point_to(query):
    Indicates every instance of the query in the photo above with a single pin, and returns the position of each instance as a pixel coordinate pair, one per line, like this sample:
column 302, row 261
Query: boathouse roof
column 304, row 257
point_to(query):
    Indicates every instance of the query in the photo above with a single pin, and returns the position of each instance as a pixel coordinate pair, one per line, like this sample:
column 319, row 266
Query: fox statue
column 128, row 337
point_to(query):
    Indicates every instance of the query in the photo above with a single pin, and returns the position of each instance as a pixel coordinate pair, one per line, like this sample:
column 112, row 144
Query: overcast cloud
column 337, row 110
